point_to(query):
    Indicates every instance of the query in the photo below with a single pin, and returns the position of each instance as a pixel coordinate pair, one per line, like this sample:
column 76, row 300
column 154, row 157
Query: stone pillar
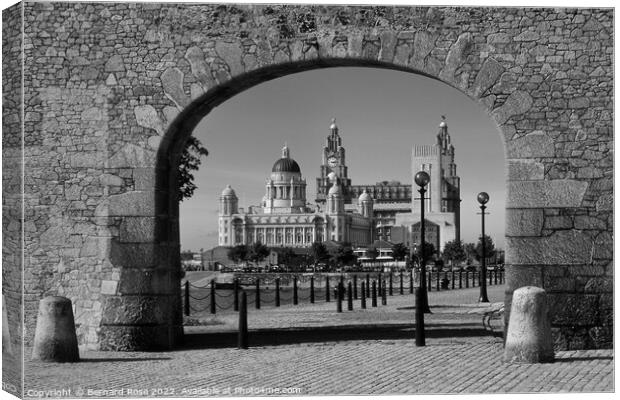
column 54, row 337
column 529, row 337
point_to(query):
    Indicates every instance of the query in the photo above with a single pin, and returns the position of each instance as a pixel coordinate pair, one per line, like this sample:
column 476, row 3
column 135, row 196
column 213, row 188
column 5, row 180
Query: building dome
column 228, row 191
column 286, row 165
column 334, row 190
column 364, row 197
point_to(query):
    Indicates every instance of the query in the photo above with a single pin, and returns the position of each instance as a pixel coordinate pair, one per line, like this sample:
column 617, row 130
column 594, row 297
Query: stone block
column 132, row 204
column 141, row 255
column 558, row 222
column 599, row 285
column 115, row 64
column 456, row 56
column 132, row 156
column 603, row 246
column 136, row 310
column 109, row 287
column 147, row 116
column 199, row 67
column 172, row 83
column 563, row 247
column 534, row 145
column 587, row 222
column 138, row 229
column 232, row 54
column 546, row 194
column 517, row 103
column 573, row 309
column 520, row 276
column 490, row 71
column 150, row 281
column 136, row 338
column 525, row 170
column 528, row 222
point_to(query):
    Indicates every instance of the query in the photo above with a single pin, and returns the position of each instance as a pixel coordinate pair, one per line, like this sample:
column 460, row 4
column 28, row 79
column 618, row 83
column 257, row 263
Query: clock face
column 332, row 161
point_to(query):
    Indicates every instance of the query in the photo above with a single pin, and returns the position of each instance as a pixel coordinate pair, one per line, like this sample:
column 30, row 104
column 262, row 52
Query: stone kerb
column 143, row 75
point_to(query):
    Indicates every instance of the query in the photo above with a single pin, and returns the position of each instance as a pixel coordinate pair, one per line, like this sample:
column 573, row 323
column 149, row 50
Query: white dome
column 228, row 191
column 364, row 197
column 334, row 190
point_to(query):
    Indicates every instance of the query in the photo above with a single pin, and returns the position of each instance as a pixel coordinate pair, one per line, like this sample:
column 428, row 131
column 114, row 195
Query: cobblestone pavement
column 460, row 357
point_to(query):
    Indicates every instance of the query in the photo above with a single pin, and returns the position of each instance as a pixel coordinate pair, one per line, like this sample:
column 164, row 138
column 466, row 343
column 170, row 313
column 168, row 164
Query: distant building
column 284, row 219
column 396, row 211
column 442, row 203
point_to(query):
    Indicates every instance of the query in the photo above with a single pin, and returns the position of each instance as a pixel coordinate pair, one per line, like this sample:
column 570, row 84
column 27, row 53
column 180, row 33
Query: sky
column 380, row 113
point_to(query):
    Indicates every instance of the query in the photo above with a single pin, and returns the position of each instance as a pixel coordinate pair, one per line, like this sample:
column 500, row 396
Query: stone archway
column 109, row 100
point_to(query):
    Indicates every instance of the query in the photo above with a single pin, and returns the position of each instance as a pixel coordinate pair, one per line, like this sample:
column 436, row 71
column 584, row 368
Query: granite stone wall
column 112, row 90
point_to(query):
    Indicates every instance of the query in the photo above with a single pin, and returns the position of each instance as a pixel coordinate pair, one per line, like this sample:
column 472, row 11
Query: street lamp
column 421, row 179
column 483, row 198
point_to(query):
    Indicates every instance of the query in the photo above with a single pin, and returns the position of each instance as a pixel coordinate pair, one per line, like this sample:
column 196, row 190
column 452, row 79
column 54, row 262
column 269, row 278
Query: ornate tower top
column 285, row 151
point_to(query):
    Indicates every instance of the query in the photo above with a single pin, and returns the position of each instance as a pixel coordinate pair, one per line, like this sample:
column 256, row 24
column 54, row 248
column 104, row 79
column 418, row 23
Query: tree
column 454, row 251
column 258, row 252
column 238, row 253
column 190, row 161
column 429, row 250
column 470, row 252
column 489, row 247
column 319, row 253
column 399, row 251
column 287, row 257
column 345, row 255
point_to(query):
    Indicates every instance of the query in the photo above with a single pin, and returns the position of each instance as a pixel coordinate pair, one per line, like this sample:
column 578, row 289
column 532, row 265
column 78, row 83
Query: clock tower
column 333, row 167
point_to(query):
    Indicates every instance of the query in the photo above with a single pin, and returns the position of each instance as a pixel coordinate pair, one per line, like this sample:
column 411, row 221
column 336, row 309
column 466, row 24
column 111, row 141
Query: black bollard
column 495, row 279
column 277, row 292
column 312, row 290
column 295, row 296
column 350, row 297
column 391, row 289
column 186, row 298
column 212, row 305
column 401, row 283
column 473, row 279
column 411, row 282
column 242, row 338
column 236, row 294
column 452, row 279
column 327, row 288
column 367, row 285
column 379, row 278
column 437, row 280
column 383, row 294
column 466, row 279
column 257, row 294
column 355, row 287
column 374, row 293
column 339, row 297
column 363, row 296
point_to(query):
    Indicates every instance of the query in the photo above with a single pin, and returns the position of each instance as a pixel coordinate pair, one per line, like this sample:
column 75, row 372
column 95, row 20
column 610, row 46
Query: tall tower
column 442, row 203
column 335, row 212
column 333, row 167
column 228, row 207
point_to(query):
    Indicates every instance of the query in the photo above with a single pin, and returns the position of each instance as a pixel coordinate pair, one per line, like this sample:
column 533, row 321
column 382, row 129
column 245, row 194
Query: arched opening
column 190, row 118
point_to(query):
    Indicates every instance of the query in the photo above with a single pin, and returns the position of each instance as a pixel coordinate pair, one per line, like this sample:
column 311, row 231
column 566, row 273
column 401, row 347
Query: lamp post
column 421, row 179
column 483, row 198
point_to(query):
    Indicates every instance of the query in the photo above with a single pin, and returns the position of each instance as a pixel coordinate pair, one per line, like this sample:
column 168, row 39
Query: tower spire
column 285, row 151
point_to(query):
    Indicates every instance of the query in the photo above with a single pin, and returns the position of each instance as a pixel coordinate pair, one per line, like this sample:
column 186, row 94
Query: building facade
column 284, row 219
column 442, row 198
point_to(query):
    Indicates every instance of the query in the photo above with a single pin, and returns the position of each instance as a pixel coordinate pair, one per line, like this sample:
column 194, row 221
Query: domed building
column 284, row 218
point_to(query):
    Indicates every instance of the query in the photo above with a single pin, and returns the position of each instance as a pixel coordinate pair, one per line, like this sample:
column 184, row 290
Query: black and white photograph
column 307, row 199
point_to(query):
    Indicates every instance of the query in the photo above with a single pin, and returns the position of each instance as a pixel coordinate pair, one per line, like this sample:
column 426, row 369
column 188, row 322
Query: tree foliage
column 399, row 251
column 489, row 249
column 258, row 252
column 429, row 251
column 238, row 253
column 345, row 255
column 454, row 251
column 190, row 161
column 319, row 252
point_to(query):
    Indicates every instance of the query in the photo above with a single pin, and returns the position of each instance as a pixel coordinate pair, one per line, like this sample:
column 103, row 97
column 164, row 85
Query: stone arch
column 104, row 117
